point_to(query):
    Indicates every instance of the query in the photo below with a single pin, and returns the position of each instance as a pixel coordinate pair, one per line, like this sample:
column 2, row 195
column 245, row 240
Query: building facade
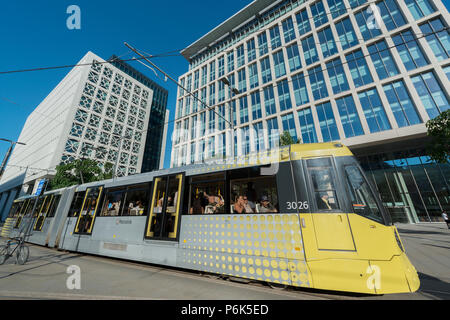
column 101, row 111
column 367, row 73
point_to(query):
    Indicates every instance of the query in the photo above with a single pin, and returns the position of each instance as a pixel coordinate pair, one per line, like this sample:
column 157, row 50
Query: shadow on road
column 431, row 286
column 61, row 258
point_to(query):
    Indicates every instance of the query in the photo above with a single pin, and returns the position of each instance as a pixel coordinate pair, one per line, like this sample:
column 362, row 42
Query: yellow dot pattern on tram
column 265, row 247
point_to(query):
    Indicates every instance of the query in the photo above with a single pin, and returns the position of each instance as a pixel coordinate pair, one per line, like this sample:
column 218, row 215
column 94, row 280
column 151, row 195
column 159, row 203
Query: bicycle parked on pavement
column 17, row 246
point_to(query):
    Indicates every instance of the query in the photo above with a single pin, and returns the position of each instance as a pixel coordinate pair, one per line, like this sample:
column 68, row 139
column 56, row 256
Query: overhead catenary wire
column 262, row 89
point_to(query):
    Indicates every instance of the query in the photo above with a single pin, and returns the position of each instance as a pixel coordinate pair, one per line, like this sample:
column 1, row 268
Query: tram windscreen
column 362, row 198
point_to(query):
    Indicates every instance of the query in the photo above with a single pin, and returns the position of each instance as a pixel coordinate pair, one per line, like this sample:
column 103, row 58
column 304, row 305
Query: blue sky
column 33, row 34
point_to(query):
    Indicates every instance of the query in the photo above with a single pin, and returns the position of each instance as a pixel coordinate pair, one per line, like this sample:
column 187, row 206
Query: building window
column 349, row 117
column 337, row 8
column 204, row 75
column 438, row 38
column 77, row 130
column 391, row 15
column 303, row 24
column 221, row 62
column 327, row 43
column 288, row 30
column 262, row 43
column 212, row 71
column 196, row 79
column 356, row 3
column 221, row 118
column 319, row 14
column 245, row 138
column 336, row 73
column 231, row 61
column 374, row 111
column 309, row 50
column 367, row 25
column 419, row 8
column 212, row 121
column 259, row 136
column 251, row 50
column 266, row 72
column 382, row 60
column 358, row 68
column 256, row 105
column 300, row 91
column 294, row 57
column 404, row 110
column 242, row 81
column 240, row 56
column 212, row 94
column 409, row 50
column 318, row 86
column 243, row 110
column 307, row 128
column 275, row 39
column 280, row 69
column 347, row 36
column 431, row 94
column 72, row 146
column 273, row 133
column 284, row 95
column 289, row 125
column 253, row 75
column 269, row 100
column 327, row 122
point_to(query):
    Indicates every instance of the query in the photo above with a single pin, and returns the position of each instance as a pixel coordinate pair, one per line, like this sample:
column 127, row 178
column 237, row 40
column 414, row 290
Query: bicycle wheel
column 3, row 254
column 22, row 254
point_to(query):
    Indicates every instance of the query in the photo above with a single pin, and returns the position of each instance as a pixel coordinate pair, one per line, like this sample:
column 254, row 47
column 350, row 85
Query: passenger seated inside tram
column 239, row 205
column 266, row 206
column 215, row 203
column 140, row 208
column 248, row 207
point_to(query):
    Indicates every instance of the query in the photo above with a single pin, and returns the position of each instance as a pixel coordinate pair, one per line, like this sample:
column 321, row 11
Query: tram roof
column 282, row 154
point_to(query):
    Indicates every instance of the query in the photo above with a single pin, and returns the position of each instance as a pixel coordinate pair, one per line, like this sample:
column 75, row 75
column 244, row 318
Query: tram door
column 330, row 222
column 88, row 212
column 162, row 222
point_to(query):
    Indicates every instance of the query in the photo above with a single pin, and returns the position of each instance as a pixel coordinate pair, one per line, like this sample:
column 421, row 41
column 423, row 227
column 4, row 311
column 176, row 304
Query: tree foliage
column 80, row 172
column 286, row 139
column 439, row 132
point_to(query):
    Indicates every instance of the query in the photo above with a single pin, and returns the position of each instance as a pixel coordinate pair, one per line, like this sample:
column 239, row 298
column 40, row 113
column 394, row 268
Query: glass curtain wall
column 412, row 187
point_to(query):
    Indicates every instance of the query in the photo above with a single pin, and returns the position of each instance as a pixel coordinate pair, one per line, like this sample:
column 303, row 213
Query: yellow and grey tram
column 303, row 215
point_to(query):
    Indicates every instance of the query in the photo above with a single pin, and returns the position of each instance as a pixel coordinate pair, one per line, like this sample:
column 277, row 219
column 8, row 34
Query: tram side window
column 54, row 206
column 30, row 207
column 323, row 181
column 113, row 203
column 362, row 198
column 77, row 202
column 207, row 194
column 136, row 203
column 252, row 193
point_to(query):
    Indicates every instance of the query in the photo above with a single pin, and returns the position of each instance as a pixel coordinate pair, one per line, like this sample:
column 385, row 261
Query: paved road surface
column 44, row 276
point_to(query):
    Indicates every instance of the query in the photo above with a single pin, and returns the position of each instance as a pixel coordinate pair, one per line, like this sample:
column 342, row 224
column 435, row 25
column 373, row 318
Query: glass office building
column 367, row 73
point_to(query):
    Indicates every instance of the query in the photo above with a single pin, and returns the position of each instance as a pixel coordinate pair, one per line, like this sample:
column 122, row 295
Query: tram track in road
column 290, row 292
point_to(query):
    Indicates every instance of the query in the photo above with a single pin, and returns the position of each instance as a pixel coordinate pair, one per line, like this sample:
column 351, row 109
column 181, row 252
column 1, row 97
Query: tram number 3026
column 301, row 205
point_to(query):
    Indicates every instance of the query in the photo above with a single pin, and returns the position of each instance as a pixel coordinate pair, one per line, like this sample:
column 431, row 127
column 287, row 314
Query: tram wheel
column 277, row 286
